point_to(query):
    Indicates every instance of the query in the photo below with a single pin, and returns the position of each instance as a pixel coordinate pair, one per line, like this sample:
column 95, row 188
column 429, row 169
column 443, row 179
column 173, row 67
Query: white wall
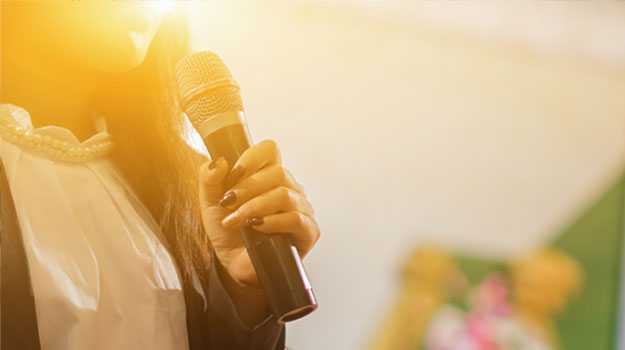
column 405, row 132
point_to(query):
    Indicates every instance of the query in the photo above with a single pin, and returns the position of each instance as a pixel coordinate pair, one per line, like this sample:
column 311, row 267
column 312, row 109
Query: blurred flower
column 541, row 282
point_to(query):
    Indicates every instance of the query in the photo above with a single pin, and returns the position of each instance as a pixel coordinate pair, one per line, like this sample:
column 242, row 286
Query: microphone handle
column 275, row 259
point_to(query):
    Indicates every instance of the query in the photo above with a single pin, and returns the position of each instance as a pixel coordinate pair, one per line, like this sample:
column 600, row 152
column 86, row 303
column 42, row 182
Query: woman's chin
column 118, row 61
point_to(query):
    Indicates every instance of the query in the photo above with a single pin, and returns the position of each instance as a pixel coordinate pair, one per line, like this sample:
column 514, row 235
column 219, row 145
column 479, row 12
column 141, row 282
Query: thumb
column 212, row 174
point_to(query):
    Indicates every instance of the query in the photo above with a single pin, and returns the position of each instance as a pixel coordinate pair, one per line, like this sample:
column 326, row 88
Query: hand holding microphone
column 266, row 197
column 256, row 215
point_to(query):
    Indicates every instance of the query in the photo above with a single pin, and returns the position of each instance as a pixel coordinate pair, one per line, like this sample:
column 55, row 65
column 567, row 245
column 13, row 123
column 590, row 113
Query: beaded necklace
column 13, row 132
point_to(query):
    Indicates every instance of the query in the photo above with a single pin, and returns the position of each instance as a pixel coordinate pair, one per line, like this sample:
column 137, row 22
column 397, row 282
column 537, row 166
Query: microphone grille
column 206, row 87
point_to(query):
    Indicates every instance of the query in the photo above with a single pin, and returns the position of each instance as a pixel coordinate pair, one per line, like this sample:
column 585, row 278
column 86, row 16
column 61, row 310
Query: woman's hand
column 258, row 192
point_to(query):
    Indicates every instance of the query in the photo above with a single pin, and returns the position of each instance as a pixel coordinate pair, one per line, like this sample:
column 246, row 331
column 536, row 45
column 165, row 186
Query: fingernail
column 229, row 198
column 230, row 220
column 235, row 175
column 213, row 164
column 255, row 221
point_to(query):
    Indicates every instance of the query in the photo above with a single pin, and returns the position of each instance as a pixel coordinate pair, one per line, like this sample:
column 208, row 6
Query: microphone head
column 206, row 87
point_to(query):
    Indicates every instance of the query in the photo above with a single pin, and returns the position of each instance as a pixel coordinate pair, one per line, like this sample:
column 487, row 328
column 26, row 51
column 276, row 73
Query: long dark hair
column 141, row 109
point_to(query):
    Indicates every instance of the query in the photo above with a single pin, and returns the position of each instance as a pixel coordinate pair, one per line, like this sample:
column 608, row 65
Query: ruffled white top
column 101, row 274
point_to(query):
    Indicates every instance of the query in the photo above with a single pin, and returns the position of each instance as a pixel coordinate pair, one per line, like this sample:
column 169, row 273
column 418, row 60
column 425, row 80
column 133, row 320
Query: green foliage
column 595, row 240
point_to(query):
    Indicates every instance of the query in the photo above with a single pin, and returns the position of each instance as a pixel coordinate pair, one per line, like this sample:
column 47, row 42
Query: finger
column 258, row 183
column 280, row 199
column 212, row 174
column 254, row 158
column 302, row 228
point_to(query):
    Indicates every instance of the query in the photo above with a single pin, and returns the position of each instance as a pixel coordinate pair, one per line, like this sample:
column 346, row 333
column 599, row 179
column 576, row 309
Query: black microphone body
column 275, row 259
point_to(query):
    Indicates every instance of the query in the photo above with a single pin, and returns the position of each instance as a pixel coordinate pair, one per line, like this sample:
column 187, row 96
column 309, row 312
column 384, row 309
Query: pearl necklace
column 15, row 133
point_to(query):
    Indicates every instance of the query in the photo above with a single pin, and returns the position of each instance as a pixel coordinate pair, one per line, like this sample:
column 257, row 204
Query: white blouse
column 101, row 275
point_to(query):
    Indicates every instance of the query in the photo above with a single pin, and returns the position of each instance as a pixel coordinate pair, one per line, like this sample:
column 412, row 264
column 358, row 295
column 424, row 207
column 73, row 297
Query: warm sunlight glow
column 161, row 6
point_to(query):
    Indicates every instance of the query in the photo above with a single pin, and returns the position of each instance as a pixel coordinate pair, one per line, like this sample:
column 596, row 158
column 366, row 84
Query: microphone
column 210, row 98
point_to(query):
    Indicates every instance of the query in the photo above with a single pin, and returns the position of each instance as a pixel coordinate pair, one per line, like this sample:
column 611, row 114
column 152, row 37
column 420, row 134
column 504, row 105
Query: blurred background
column 486, row 129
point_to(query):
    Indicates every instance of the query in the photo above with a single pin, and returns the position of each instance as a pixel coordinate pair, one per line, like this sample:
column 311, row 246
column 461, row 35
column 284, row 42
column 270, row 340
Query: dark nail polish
column 255, row 221
column 235, row 175
column 213, row 164
column 228, row 199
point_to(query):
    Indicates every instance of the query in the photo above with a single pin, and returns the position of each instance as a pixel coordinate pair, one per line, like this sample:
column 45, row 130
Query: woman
column 131, row 238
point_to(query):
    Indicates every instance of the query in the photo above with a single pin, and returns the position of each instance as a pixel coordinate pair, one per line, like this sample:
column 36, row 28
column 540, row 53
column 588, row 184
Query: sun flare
column 161, row 6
